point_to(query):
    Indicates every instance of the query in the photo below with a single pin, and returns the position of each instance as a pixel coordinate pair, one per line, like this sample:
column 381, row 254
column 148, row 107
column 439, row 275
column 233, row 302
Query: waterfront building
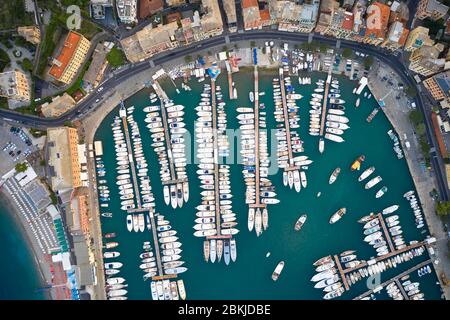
column 31, row 34
column 376, row 23
column 417, row 38
column 15, row 85
column 152, row 40
column 341, row 25
column 294, row 17
column 439, row 86
column 426, row 61
column 396, row 36
column 58, row 106
column 229, row 6
column 359, row 22
column 251, row 15
column 126, row 11
column 432, row 9
column 326, row 11
column 149, row 7
column 63, row 159
column 67, row 64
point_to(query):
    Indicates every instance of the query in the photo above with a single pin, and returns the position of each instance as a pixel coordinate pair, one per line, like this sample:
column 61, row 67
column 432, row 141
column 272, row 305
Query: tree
column 323, row 47
column 416, row 117
column 188, row 58
column 420, row 129
column 21, row 167
column 443, row 208
column 411, row 92
column 27, row 65
column 368, row 61
column 224, row 48
column 115, row 57
column 252, row 44
column 347, row 53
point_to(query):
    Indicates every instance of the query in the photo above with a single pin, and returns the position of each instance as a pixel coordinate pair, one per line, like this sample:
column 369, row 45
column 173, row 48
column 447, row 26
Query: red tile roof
column 67, row 52
column 249, row 3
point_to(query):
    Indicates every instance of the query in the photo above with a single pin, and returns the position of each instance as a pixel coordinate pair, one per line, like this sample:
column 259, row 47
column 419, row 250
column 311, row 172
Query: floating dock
column 325, row 102
column 386, row 232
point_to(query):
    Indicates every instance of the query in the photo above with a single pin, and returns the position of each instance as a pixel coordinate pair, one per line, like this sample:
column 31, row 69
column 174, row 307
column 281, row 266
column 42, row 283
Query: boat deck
column 410, row 270
column 130, row 159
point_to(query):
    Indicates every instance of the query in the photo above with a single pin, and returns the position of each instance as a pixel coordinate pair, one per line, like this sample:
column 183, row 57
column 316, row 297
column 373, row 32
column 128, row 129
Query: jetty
column 341, row 272
column 123, row 115
column 401, row 275
column 385, row 231
column 325, row 102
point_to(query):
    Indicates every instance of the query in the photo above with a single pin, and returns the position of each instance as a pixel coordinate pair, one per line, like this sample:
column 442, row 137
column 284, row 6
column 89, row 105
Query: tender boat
column 276, row 273
column 366, row 173
column 334, row 175
column 300, row 222
column 337, row 215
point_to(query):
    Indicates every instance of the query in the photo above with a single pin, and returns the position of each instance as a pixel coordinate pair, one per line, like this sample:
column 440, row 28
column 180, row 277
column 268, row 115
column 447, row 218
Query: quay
column 386, row 233
column 286, row 123
column 130, row 154
column 401, row 275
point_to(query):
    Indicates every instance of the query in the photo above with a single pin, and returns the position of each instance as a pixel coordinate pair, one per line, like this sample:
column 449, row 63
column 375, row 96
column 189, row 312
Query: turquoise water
column 19, row 278
column 250, row 276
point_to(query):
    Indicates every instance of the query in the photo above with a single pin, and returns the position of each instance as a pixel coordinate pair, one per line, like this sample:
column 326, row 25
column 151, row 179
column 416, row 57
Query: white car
column 100, row 89
column 97, row 100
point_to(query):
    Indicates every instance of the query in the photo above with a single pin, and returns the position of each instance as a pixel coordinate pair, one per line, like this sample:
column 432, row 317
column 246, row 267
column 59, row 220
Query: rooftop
column 70, row 46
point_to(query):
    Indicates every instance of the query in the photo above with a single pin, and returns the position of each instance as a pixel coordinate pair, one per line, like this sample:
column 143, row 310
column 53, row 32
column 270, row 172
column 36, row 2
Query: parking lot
column 15, row 146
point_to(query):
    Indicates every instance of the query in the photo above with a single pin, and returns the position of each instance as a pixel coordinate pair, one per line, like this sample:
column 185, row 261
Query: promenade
column 397, row 112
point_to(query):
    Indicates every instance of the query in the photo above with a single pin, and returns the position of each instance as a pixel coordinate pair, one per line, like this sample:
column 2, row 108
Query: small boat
column 276, row 273
column 300, row 222
column 226, row 252
column 258, row 222
column 334, row 175
column 251, row 219
column 337, row 215
column 303, row 178
column 356, row 165
column 233, row 250
column 251, row 96
column 366, row 173
column 219, row 249
column 265, row 219
column 373, row 182
column 381, row 192
column 212, row 250
column 357, row 102
column 390, row 209
column 181, row 289
column 206, row 250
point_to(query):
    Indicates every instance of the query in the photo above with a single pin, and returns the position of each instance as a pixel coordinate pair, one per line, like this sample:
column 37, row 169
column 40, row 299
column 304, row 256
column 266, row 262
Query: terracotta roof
column 149, row 7
column 384, row 12
column 403, row 37
column 69, row 48
column 249, row 3
column 347, row 24
column 264, row 14
column 171, row 17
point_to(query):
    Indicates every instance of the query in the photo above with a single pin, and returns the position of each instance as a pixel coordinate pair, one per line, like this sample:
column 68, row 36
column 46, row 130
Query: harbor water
column 250, row 276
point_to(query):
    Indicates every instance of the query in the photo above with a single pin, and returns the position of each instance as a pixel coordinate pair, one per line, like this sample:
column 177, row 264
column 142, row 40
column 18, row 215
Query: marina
column 296, row 249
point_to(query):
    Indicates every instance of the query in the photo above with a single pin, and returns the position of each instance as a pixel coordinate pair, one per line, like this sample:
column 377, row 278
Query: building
column 250, row 14
column 326, row 12
column 439, row 86
column 396, row 36
column 425, row 60
column 15, row 85
column 376, row 23
column 31, row 34
column 98, row 8
column 94, row 73
column 152, row 40
column 294, row 17
column 175, row 3
column 63, row 162
column 149, row 7
column 359, row 23
column 58, row 106
column 229, row 6
column 126, row 11
column 432, row 9
column 417, row 38
column 341, row 25
column 66, row 65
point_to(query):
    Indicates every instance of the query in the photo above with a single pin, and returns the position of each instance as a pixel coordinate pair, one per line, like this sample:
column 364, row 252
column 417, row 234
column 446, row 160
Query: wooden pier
column 402, row 290
column 155, row 243
column 325, row 101
column 168, row 142
column 257, row 203
column 216, row 156
column 401, row 275
column 130, row 159
column 286, row 123
column 341, row 271
column 386, row 232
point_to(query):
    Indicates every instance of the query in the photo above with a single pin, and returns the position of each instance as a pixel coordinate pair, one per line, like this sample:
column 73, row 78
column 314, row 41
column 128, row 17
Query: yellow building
column 31, row 34
column 66, row 65
column 417, row 38
column 58, row 106
column 439, row 86
column 63, row 158
column 432, row 9
column 425, row 60
column 14, row 85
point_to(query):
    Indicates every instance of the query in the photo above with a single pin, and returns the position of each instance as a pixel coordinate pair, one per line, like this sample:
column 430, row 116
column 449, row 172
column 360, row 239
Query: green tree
column 443, row 208
column 347, row 53
column 411, row 92
column 27, row 65
column 368, row 61
column 21, row 167
column 188, row 58
column 115, row 57
column 420, row 129
column 252, row 44
column 416, row 117
column 323, row 47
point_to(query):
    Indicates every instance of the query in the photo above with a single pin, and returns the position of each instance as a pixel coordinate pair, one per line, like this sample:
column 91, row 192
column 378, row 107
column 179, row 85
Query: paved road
column 128, row 72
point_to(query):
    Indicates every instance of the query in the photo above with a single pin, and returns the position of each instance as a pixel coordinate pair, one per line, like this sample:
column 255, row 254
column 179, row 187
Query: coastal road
column 129, row 71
